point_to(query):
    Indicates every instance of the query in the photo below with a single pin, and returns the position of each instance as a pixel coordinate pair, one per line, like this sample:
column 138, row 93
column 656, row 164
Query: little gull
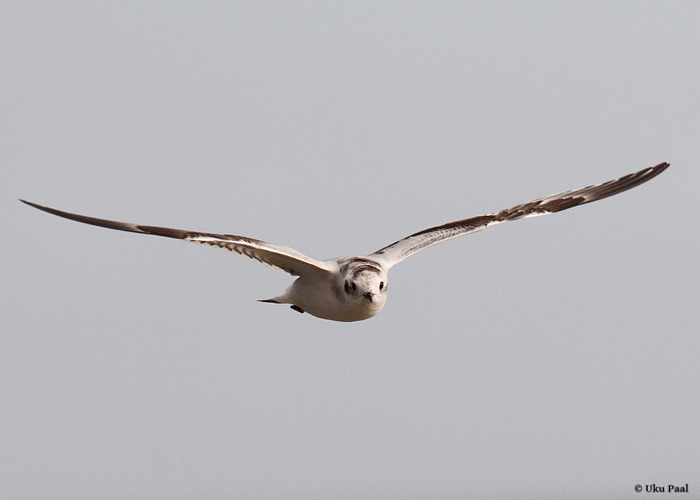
column 355, row 288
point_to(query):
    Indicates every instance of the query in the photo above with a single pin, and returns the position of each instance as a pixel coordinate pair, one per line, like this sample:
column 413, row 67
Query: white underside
column 317, row 297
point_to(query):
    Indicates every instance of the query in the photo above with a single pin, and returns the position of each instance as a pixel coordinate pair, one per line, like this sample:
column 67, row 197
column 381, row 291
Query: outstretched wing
column 399, row 250
column 283, row 258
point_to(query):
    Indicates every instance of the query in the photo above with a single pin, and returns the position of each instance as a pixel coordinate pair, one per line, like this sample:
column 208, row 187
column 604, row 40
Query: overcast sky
column 546, row 358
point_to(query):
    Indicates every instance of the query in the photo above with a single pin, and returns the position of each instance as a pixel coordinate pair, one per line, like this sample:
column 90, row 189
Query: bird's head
column 366, row 284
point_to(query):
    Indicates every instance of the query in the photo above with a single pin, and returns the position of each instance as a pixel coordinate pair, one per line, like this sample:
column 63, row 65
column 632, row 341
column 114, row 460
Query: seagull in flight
column 355, row 288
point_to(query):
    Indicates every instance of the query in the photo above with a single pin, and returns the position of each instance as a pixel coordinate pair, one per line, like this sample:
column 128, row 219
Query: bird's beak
column 369, row 296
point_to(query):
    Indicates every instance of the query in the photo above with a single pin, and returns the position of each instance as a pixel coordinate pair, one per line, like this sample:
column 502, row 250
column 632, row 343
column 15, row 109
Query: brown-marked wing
column 283, row 258
column 396, row 252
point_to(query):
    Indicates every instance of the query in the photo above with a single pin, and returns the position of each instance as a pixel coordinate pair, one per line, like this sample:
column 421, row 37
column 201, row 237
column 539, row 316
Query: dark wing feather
column 283, row 258
column 396, row 252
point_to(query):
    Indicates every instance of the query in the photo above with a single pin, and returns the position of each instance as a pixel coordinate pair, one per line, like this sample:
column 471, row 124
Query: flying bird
column 355, row 288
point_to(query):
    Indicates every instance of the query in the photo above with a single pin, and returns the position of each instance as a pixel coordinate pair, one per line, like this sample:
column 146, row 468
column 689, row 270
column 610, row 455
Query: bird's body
column 355, row 288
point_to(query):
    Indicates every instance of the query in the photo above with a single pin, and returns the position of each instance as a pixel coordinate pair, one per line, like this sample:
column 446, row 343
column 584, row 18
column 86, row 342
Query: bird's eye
column 381, row 285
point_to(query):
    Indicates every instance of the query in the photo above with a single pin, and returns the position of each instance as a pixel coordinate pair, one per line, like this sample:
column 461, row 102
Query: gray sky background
column 552, row 357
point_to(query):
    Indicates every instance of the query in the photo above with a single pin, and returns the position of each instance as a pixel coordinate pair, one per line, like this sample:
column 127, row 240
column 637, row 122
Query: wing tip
column 647, row 174
column 40, row 207
column 30, row 204
column 656, row 170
